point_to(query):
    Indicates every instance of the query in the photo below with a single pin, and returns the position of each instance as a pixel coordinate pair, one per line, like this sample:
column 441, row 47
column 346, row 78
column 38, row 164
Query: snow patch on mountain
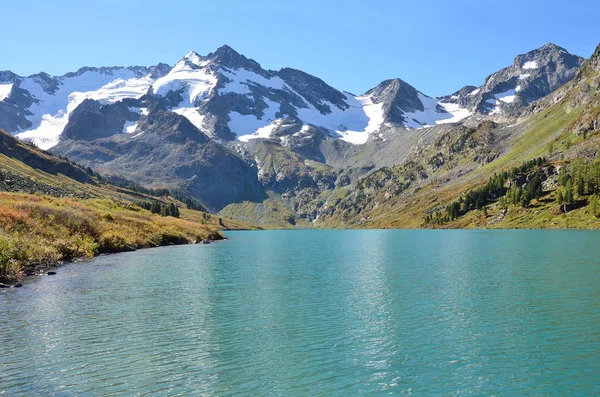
column 50, row 113
column 192, row 115
column 495, row 103
column 48, row 130
column 305, row 128
column 195, row 59
column 263, row 132
column 530, row 65
column 5, row 90
column 248, row 124
column 434, row 113
column 129, row 127
column 116, row 90
column 241, row 79
column 140, row 111
column 353, row 124
column 456, row 111
column 375, row 115
column 506, row 96
column 194, row 84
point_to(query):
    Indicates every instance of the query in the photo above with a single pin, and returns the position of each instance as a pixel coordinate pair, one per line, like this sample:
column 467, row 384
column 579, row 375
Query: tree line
column 160, row 208
column 579, row 183
column 495, row 189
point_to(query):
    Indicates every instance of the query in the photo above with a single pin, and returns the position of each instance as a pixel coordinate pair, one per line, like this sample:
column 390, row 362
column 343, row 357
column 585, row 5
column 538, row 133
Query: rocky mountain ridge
column 232, row 97
column 530, row 77
column 284, row 144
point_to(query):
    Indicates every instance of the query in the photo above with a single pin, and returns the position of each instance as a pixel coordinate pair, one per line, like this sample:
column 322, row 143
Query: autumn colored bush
column 36, row 230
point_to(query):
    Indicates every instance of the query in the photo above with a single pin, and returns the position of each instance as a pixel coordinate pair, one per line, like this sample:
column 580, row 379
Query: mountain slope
column 52, row 210
column 168, row 151
column 531, row 76
column 562, row 127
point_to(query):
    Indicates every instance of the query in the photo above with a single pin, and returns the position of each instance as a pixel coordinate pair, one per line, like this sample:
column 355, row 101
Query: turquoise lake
column 315, row 313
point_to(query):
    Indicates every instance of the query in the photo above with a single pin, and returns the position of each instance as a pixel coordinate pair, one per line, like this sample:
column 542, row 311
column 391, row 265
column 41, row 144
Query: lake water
column 320, row 313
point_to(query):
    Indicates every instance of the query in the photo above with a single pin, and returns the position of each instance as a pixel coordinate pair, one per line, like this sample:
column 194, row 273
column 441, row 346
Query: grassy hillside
column 563, row 127
column 272, row 213
column 52, row 210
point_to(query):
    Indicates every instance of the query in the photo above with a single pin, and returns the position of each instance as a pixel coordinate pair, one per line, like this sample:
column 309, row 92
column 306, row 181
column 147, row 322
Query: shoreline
column 46, row 268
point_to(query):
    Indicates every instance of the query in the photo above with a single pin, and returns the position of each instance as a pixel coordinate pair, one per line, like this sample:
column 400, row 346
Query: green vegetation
column 69, row 213
column 272, row 213
column 573, row 202
column 495, row 189
column 159, row 208
column 185, row 198
column 41, row 230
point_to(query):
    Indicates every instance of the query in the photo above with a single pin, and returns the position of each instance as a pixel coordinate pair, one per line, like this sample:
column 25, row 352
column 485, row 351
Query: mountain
column 538, row 172
column 224, row 94
column 166, row 151
column 37, row 107
column 531, row 76
column 276, row 147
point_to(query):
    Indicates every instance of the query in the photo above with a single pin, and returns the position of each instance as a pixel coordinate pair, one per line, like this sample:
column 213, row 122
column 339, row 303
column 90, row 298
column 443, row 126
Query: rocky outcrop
column 37, row 159
column 531, row 77
column 91, row 120
column 167, row 150
column 15, row 183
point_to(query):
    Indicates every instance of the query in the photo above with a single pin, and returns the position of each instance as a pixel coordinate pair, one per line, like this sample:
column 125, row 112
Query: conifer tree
column 569, row 192
column 559, row 197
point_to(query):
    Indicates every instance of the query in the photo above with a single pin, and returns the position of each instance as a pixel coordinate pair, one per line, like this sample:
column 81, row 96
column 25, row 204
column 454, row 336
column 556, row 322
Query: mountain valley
column 284, row 149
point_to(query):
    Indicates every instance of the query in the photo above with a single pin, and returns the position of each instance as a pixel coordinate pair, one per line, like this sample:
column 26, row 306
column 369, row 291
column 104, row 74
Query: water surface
column 321, row 313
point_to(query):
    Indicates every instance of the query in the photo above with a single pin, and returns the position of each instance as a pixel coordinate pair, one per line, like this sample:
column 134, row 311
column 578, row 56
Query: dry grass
column 37, row 230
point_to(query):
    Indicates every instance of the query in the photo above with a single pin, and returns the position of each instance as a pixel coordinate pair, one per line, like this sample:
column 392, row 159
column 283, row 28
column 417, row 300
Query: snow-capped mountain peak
column 230, row 96
column 403, row 105
column 531, row 76
column 38, row 108
column 193, row 58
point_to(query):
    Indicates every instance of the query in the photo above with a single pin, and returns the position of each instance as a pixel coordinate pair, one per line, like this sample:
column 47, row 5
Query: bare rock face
column 167, row 150
column 398, row 98
column 13, row 107
column 91, row 120
column 531, row 76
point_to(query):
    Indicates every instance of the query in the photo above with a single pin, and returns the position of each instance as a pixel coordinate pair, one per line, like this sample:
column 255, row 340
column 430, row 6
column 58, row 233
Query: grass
column 41, row 230
column 543, row 128
column 271, row 213
column 212, row 220
column 408, row 210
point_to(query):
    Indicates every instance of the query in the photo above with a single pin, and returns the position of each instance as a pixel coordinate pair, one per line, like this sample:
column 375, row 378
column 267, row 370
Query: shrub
column 36, row 230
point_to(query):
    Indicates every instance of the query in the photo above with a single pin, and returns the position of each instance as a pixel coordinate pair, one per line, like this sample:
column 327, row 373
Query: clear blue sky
column 436, row 45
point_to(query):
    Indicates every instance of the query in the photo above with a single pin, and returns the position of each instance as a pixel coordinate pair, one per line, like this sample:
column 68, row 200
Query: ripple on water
column 324, row 313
